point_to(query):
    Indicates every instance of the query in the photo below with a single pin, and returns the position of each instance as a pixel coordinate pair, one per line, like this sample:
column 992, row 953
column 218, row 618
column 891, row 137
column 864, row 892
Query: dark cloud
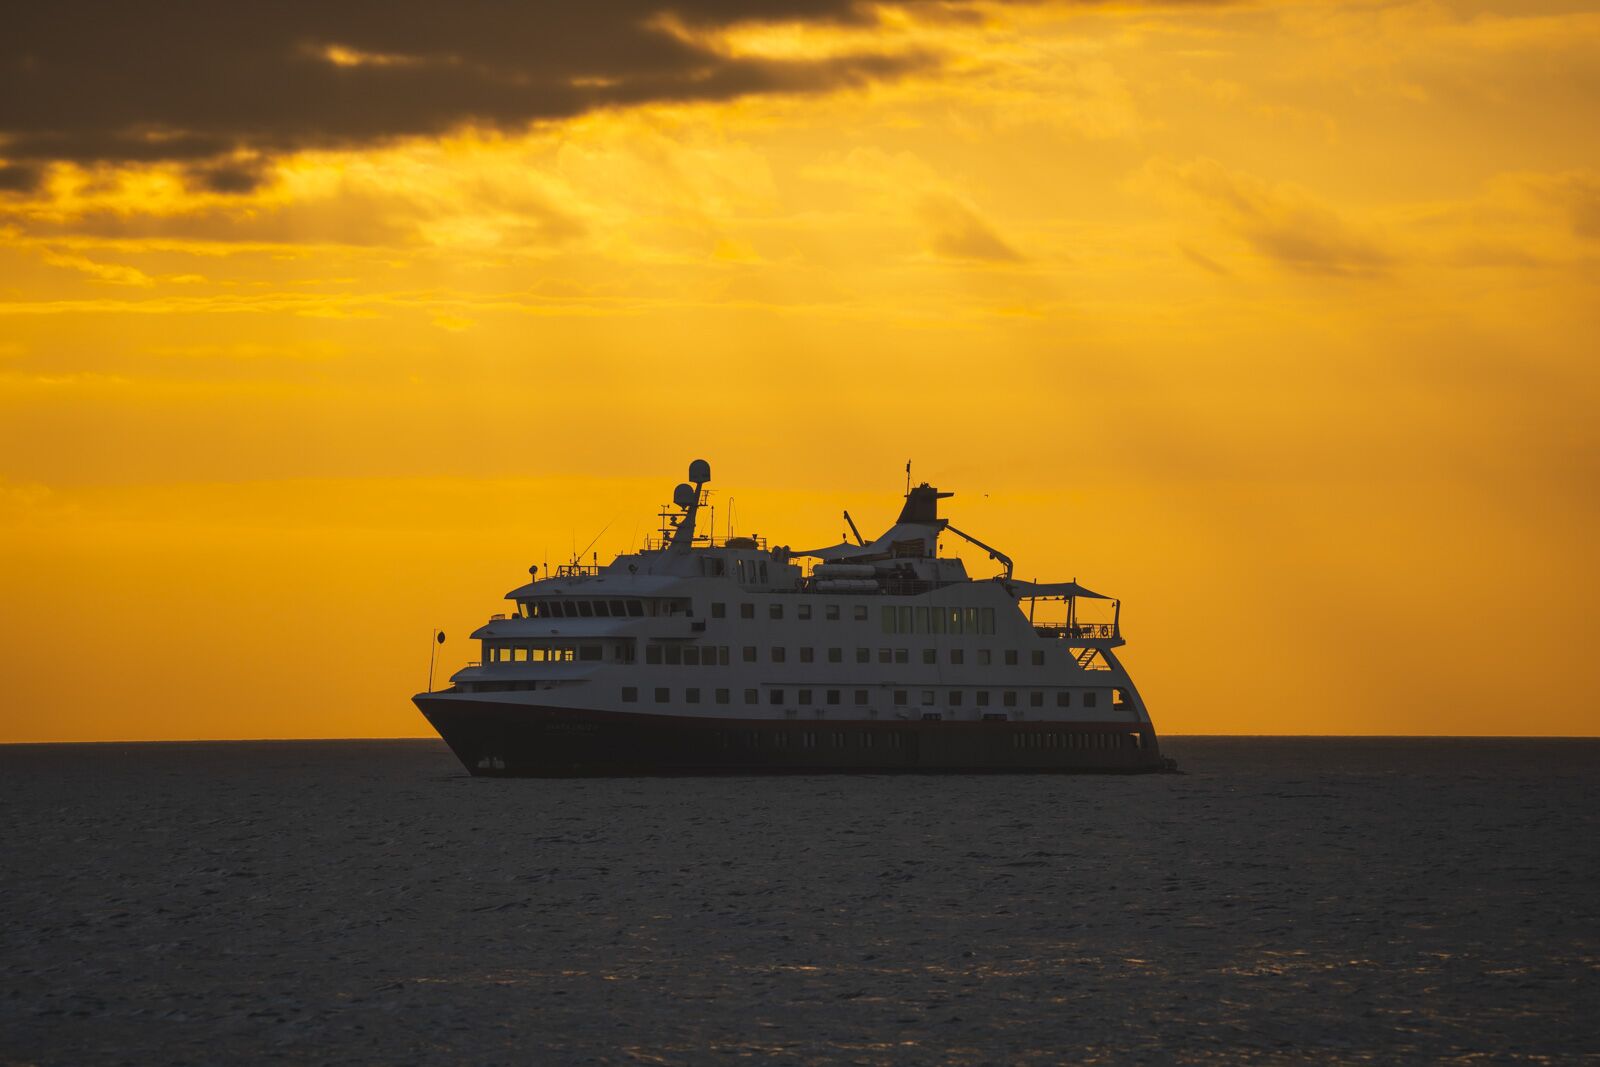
column 20, row 177
column 196, row 80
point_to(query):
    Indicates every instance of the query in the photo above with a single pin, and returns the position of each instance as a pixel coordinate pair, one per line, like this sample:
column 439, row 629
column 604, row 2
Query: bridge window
column 674, row 654
column 902, row 620
column 691, row 656
column 636, row 608
column 520, row 655
column 589, row 652
column 630, row 694
column 886, row 622
column 585, row 609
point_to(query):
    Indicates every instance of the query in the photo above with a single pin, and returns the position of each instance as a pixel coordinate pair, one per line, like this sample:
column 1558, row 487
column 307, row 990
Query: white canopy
column 1022, row 590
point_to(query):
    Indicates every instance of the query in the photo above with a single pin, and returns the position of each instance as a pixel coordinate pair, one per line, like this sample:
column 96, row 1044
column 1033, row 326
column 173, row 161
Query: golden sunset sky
column 320, row 323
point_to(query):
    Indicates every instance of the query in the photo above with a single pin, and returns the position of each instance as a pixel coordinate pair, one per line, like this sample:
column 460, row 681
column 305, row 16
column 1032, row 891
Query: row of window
column 677, row 653
column 602, row 609
column 954, row 698
column 802, row 612
column 936, row 620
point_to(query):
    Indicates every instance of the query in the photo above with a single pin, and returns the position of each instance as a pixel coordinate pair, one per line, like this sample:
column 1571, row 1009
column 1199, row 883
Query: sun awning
column 1022, row 590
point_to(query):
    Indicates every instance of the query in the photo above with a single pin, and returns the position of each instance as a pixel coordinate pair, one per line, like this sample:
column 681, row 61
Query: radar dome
column 699, row 471
column 684, row 496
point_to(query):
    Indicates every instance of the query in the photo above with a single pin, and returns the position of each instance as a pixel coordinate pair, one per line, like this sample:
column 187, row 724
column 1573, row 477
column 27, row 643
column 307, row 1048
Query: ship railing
column 659, row 544
column 578, row 570
column 1097, row 631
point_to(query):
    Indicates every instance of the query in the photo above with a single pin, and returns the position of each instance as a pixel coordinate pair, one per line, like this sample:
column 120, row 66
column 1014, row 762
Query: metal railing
column 577, row 570
column 1098, row 631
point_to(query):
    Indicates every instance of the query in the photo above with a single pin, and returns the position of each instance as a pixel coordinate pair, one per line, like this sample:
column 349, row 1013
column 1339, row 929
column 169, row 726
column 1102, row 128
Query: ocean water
column 311, row 902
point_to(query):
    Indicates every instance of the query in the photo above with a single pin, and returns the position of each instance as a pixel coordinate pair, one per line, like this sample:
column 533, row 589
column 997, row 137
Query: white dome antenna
column 699, row 472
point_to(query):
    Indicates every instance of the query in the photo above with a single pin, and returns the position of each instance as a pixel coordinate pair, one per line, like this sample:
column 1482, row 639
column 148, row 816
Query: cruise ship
column 704, row 655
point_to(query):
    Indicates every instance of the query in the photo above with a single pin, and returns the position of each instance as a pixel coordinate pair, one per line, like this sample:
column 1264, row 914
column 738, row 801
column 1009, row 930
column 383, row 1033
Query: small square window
column 719, row 611
column 749, row 653
column 1011, row 657
column 1063, row 699
column 775, row 611
column 984, row 657
column 957, row 656
column 779, row 653
column 885, row 655
column 983, row 698
column 747, row 611
column 691, row 696
column 927, row 697
column 863, row 655
column 955, row 698
column 1038, row 657
column 831, row 612
column 630, row 693
column 899, row 696
column 663, row 695
column 861, row 696
column 751, row 696
column 1036, row 700
column 835, row 655
column 930, row 655
column 775, row 696
column 1089, row 698
column 1011, row 698
column 902, row 655
column 723, row 696
column 804, row 696
column 807, row 654
column 859, row 613
column 652, row 653
column 803, row 611
column 833, row 696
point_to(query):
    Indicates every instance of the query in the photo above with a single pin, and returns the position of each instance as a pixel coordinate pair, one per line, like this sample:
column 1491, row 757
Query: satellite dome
column 684, row 496
column 699, row 471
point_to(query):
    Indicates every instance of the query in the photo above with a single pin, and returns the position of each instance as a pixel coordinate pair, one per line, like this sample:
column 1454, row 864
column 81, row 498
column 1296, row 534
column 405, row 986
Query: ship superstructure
column 699, row 655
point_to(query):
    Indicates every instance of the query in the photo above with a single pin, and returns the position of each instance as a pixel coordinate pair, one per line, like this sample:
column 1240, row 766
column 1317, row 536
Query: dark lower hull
column 508, row 740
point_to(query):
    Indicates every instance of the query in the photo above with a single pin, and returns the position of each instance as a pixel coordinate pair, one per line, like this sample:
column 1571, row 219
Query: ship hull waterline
column 545, row 741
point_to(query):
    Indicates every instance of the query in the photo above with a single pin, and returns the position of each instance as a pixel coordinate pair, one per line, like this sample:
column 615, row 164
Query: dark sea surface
column 329, row 902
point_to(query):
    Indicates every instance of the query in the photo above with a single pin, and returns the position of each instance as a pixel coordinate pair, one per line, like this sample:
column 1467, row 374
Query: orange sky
column 1275, row 319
